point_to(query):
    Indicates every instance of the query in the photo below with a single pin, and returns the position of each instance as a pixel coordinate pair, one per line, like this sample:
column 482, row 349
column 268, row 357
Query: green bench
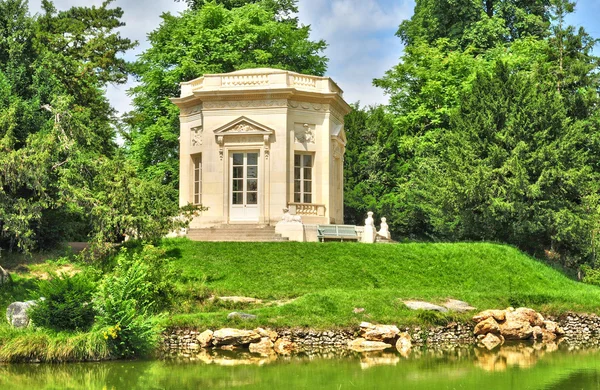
column 337, row 232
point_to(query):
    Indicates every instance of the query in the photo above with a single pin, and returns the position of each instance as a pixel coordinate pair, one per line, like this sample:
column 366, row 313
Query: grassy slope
column 332, row 279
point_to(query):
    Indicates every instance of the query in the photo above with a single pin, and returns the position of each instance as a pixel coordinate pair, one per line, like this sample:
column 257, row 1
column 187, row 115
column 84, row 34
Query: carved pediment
column 243, row 126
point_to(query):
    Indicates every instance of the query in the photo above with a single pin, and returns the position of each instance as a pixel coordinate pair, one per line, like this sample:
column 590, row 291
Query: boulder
column 548, row 336
column 205, row 338
column 362, row 345
column 526, row 315
column 420, row 305
column 553, row 327
column 271, row 334
column 516, row 330
column 489, row 325
column 458, row 306
column 491, row 341
column 228, row 336
column 241, row 316
column 537, row 333
column 404, row 344
column 284, row 346
column 498, row 315
column 263, row 347
column 378, row 332
column 16, row 313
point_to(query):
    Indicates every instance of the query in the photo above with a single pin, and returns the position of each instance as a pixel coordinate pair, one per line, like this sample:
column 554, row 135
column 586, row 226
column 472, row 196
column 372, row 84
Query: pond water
column 513, row 367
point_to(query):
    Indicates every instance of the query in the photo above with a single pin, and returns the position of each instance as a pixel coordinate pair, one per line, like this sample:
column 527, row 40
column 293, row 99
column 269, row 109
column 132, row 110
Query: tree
column 209, row 39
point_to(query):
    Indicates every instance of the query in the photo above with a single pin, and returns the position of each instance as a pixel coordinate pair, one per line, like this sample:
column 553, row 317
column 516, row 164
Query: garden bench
column 336, row 232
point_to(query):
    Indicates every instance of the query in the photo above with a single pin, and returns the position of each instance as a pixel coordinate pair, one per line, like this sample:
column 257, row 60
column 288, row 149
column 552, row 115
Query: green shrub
column 67, row 306
column 126, row 299
column 592, row 275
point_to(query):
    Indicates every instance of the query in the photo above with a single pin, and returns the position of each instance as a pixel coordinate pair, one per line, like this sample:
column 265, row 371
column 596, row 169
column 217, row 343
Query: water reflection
column 524, row 366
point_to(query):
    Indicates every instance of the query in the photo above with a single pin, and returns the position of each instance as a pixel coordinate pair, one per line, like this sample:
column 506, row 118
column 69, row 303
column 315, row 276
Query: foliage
column 53, row 112
column 67, row 305
column 591, row 275
column 207, row 39
column 319, row 285
column 493, row 130
column 127, row 298
column 18, row 346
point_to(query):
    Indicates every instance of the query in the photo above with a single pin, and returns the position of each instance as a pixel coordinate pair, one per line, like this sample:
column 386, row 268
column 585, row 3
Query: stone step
column 236, row 233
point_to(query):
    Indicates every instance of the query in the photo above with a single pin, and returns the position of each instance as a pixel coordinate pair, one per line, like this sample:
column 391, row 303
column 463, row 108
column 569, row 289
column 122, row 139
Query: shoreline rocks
column 495, row 326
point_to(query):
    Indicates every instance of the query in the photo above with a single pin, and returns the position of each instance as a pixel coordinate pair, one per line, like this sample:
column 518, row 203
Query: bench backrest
column 336, row 230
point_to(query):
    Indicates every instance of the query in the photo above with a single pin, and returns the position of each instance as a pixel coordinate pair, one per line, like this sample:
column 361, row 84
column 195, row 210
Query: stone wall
column 580, row 330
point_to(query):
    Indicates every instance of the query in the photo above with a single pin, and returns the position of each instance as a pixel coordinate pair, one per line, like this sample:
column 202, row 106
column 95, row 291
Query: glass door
column 244, row 187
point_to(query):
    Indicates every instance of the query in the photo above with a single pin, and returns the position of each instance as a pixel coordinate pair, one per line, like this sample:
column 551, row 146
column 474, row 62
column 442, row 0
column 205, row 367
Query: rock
column 284, row 346
column 526, row 314
column 264, row 346
column 489, row 325
column 404, row 344
column 553, row 327
column 205, row 338
column 516, row 330
column 458, row 306
column 548, row 336
column 537, row 333
column 4, row 276
column 362, row 345
column 228, row 336
column 357, row 310
column 498, row 315
column 16, row 313
column 242, row 316
column 378, row 332
column 271, row 334
column 421, row 305
column 491, row 341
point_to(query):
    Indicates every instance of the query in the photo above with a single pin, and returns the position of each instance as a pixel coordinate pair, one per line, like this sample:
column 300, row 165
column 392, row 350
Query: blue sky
column 360, row 34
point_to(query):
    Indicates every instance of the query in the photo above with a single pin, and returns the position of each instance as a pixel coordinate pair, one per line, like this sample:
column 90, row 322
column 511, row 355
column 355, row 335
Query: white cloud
column 360, row 34
column 362, row 45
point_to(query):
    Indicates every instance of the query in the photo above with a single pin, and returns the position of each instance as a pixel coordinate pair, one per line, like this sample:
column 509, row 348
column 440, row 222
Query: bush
column 126, row 299
column 592, row 275
column 67, row 306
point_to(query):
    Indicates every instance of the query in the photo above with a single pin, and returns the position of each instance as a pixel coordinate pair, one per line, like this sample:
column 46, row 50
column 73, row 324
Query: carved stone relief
column 304, row 133
column 196, row 135
column 308, row 106
column 191, row 110
column 243, row 128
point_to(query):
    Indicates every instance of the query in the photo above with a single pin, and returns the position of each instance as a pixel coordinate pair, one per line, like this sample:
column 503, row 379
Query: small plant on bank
column 127, row 298
column 67, row 305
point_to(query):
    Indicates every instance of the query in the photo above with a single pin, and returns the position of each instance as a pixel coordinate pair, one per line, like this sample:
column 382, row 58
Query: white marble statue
column 369, row 221
column 287, row 217
column 384, row 229
column 369, row 233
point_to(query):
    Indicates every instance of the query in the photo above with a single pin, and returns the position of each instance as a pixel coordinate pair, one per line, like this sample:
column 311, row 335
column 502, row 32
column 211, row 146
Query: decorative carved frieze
column 304, row 133
column 191, row 110
column 231, row 104
column 196, row 137
column 308, row 106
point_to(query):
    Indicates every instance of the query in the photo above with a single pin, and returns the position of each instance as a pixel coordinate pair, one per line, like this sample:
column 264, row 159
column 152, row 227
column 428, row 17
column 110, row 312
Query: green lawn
column 327, row 281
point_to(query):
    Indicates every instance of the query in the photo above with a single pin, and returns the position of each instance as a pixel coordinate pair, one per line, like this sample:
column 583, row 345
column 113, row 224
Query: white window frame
column 197, row 176
column 300, row 197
